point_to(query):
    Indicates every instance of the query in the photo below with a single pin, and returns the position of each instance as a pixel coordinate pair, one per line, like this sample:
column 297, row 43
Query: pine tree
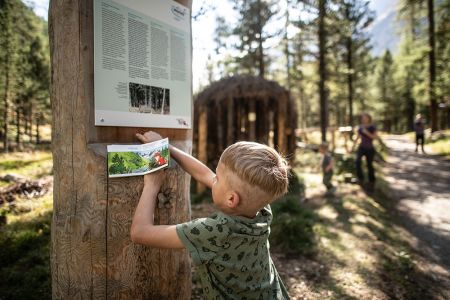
column 353, row 45
column 251, row 34
column 24, row 57
column 322, row 35
column 7, row 53
column 432, row 66
column 442, row 85
column 386, row 89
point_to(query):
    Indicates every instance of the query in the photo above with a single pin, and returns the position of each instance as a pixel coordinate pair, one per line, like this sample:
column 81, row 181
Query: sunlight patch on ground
column 26, row 210
column 32, row 165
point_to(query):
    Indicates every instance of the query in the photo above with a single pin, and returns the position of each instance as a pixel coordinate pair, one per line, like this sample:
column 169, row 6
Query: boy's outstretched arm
column 143, row 231
column 190, row 164
column 193, row 166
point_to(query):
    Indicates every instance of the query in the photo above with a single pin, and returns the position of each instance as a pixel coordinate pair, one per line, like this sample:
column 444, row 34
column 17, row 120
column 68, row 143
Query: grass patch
column 292, row 226
column 32, row 165
column 25, row 250
column 438, row 142
column 292, row 229
column 440, row 147
column 25, row 234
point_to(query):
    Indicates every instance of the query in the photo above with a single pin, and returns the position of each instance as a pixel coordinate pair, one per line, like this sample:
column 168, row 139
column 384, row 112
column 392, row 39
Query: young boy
column 231, row 247
column 327, row 167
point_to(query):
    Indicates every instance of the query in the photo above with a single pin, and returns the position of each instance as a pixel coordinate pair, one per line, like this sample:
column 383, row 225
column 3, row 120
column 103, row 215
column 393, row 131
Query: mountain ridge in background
column 383, row 31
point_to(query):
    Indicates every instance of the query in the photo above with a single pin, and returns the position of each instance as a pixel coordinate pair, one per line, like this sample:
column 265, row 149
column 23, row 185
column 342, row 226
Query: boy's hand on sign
column 148, row 137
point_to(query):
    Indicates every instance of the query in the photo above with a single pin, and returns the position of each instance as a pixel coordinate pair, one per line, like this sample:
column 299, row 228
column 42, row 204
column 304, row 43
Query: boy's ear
column 233, row 199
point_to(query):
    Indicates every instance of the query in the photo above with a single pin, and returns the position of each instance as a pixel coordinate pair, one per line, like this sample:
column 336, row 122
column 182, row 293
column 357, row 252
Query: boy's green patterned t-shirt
column 232, row 254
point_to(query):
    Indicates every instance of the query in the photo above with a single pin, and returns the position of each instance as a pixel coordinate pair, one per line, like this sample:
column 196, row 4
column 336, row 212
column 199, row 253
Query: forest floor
column 389, row 244
column 420, row 183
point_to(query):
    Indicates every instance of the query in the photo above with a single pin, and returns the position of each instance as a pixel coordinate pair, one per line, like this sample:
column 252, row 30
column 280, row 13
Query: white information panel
column 142, row 64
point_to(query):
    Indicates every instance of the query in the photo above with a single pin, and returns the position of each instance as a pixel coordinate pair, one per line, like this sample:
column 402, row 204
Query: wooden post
column 281, row 120
column 333, row 138
column 202, row 150
column 265, row 122
column 92, row 256
column 251, row 118
column 243, row 112
column 230, row 121
column 219, row 125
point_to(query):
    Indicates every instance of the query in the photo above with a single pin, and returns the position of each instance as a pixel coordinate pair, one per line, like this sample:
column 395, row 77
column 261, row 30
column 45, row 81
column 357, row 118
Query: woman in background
column 367, row 132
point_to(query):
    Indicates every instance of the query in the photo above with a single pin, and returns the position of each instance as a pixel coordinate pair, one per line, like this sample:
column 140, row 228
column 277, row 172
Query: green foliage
column 393, row 87
column 24, row 259
column 117, row 165
column 292, row 229
column 24, row 70
column 165, row 153
column 350, row 59
column 124, row 162
column 247, row 36
column 344, row 164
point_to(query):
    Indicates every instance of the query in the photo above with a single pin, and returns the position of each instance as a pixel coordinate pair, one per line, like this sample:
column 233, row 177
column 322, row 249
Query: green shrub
column 292, row 229
column 344, row 163
column 25, row 259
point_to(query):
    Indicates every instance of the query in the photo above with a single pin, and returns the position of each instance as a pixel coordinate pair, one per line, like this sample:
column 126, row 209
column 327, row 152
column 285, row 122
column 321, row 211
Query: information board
column 142, row 64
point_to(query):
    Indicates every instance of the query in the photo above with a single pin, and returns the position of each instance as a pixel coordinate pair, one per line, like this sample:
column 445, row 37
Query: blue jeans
column 369, row 153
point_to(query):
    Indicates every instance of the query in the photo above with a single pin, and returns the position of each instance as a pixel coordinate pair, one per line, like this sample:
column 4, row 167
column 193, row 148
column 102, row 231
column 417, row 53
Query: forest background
column 336, row 57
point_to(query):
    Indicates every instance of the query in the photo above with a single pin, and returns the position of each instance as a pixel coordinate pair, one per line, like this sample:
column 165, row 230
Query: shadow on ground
column 362, row 233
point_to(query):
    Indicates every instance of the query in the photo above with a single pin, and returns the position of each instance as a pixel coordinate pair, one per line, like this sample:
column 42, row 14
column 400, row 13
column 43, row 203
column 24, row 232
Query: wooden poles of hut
column 243, row 108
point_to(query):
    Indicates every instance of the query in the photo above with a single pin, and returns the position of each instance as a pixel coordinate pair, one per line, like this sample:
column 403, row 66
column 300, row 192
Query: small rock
column 13, row 178
column 162, row 198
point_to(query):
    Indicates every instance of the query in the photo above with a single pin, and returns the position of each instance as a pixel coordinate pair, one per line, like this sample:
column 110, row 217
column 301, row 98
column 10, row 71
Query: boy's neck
column 246, row 214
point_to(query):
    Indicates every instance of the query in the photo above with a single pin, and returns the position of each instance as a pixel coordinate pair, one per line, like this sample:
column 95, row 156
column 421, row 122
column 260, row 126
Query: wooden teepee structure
column 243, row 108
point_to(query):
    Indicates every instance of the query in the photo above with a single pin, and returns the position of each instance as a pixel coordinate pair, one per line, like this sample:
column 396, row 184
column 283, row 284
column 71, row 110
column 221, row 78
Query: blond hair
column 261, row 168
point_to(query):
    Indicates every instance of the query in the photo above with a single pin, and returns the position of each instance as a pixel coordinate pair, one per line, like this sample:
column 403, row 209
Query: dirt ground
column 421, row 184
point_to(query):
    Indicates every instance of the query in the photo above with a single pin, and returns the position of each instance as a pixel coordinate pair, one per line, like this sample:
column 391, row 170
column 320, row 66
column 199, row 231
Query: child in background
column 419, row 129
column 231, row 247
column 327, row 167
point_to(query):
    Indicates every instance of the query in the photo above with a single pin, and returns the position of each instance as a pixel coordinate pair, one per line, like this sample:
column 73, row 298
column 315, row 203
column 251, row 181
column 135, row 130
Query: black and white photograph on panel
column 149, row 99
column 140, row 98
column 160, row 98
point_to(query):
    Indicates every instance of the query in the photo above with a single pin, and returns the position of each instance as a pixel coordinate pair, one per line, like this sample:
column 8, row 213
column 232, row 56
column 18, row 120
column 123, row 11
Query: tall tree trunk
column 350, row 83
column 286, row 48
column 432, row 67
column 7, row 69
column 260, row 46
column 92, row 256
column 6, row 104
column 322, row 71
column 38, row 134
column 30, row 121
column 18, row 109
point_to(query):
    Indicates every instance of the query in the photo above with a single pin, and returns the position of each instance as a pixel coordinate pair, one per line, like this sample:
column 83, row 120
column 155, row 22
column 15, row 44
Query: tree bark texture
column 322, row 71
column 432, row 67
column 92, row 256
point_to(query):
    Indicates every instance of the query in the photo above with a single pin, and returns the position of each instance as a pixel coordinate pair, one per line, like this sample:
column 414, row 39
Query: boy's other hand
column 155, row 179
column 148, row 137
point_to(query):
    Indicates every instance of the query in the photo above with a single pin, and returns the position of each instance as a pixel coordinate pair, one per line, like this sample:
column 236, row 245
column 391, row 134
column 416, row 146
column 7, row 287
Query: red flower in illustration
column 160, row 159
